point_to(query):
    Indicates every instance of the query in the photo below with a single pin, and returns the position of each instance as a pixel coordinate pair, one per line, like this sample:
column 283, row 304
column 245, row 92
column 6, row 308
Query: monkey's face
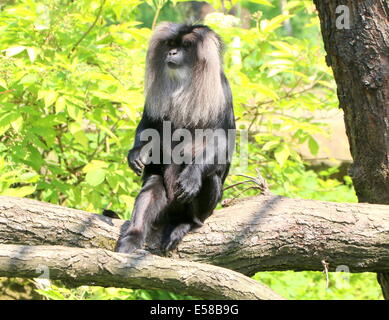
column 183, row 77
column 181, row 49
column 179, row 53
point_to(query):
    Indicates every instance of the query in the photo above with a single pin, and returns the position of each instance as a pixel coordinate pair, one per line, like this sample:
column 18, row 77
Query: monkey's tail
column 110, row 214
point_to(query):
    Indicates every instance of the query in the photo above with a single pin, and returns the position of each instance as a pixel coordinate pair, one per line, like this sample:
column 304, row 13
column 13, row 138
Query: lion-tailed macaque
column 186, row 92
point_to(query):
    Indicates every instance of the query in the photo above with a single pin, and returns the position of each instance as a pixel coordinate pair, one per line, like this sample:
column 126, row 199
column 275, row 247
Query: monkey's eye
column 186, row 44
column 170, row 43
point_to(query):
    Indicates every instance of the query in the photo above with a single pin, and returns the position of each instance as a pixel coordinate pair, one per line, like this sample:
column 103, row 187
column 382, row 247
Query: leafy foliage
column 54, row 292
column 312, row 285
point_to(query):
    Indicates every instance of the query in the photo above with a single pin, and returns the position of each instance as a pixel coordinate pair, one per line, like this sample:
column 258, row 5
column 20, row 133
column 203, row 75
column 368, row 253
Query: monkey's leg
column 149, row 204
column 199, row 209
column 208, row 197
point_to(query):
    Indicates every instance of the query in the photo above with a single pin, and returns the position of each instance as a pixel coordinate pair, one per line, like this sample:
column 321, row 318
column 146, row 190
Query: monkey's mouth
column 172, row 65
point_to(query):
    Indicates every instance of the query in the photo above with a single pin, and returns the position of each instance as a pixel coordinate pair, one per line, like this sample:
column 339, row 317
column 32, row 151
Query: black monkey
column 185, row 89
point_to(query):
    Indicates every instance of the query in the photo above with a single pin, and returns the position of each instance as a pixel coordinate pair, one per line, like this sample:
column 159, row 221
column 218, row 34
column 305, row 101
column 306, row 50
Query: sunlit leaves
column 71, row 118
column 11, row 176
column 13, row 51
column 19, row 192
column 282, row 154
column 264, row 2
column 273, row 24
column 60, row 104
column 3, row 84
column 95, row 172
column 78, row 134
column 29, row 79
column 270, row 145
column 48, row 96
column 313, row 145
column 95, row 176
column 32, row 54
column 6, row 120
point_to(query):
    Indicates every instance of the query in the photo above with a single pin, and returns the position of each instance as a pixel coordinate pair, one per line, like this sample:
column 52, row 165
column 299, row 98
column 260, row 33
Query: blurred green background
column 71, row 94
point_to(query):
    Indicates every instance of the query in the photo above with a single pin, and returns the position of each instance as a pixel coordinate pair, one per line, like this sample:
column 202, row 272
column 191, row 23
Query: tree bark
column 359, row 57
column 140, row 270
column 257, row 234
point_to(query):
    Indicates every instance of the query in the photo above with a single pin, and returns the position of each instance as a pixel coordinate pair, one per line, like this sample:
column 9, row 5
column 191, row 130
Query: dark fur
column 180, row 197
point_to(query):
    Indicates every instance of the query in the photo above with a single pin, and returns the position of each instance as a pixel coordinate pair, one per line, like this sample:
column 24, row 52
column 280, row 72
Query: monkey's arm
column 136, row 158
column 212, row 160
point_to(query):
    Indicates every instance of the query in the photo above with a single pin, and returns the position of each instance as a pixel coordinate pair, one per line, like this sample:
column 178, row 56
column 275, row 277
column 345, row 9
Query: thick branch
column 257, row 234
column 139, row 270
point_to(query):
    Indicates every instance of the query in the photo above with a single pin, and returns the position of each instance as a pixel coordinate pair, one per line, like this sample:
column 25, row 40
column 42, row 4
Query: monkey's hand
column 188, row 184
column 136, row 160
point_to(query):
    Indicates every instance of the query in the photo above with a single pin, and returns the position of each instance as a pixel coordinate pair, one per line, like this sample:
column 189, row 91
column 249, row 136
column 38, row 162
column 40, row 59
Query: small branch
column 155, row 18
column 89, row 29
column 158, row 6
column 140, row 270
column 7, row 91
column 325, row 266
column 236, row 184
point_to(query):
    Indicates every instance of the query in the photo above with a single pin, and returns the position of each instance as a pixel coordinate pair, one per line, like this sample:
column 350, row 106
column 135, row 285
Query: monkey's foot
column 171, row 240
column 188, row 186
column 130, row 241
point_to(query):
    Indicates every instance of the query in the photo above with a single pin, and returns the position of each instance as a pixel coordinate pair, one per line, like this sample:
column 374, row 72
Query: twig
column 7, row 91
column 89, row 30
column 326, row 265
column 159, row 6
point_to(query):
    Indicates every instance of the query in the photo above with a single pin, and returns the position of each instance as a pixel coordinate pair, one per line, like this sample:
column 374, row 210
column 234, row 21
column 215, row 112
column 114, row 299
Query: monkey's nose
column 173, row 52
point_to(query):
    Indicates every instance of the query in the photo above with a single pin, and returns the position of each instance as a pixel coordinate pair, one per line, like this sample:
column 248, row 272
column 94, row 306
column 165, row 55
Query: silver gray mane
column 186, row 96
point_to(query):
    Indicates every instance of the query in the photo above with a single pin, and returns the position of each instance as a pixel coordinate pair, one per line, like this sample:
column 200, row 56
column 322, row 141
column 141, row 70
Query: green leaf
column 51, row 294
column 74, row 111
column 78, row 134
column 270, row 145
column 19, row 192
column 29, row 177
column 282, row 154
column 6, row 120
column 17, row 124
column 60, row 104
column 264, row 2
column 313, row 145
column 95, row 177
column 29, row 79
column 3, row 84
column 32, row 54
column 113, row 181
column 268, row 26
column 49, row 98
column 95, row 164
column 13, row 51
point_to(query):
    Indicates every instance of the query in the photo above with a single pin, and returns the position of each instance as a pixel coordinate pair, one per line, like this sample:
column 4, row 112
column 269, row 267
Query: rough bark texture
column 359, row 57
column 257, row 234
column 138, row 270
column 26, row 221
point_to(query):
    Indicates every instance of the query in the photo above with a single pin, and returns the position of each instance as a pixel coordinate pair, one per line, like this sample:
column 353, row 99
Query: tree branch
column 257, row 234
column 140, row 270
